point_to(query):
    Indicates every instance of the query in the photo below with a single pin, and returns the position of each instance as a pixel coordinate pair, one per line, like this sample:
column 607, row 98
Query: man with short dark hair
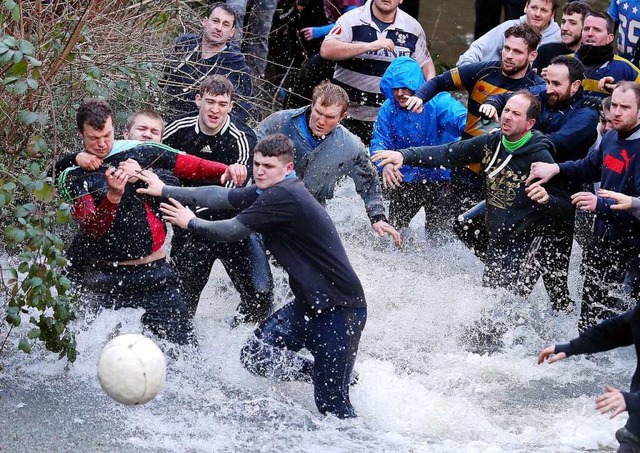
column 196, row 57
column 326, row 151
column 570, row 122
column 120, row 245
column 573, row 14
column 518, row 219
column 213, row 133
column 537, row 13
column 612, row 259
column 596, row 52
column 482, row 80
column 328, row 312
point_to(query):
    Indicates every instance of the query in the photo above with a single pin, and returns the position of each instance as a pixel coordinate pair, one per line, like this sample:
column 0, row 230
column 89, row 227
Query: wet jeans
column 332, row 337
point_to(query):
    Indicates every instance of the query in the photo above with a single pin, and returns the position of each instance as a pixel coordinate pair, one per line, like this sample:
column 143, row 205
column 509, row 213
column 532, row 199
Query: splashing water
column 421, row 387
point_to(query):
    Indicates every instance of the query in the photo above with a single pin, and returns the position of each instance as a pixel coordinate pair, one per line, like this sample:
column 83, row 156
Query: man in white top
column 537, row 13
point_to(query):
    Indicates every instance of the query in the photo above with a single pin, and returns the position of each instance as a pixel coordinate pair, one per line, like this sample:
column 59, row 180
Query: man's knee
column 253, row 358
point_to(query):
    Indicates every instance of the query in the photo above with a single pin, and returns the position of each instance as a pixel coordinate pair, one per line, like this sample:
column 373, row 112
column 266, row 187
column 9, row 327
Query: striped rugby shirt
column 360, row 76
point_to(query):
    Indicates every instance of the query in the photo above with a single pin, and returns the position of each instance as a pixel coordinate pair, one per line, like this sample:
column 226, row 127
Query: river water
column 423, row 387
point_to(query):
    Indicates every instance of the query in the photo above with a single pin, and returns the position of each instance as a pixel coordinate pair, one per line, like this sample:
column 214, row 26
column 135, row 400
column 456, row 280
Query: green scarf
column 514, row 146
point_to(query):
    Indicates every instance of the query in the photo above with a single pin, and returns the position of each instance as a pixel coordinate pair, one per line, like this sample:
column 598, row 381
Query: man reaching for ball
column 328, row 312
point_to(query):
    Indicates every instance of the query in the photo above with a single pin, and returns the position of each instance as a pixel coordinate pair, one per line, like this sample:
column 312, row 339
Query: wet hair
column 328, row 93
column 629, row 86
column 554, row 5
column 227, row 9
column 149, row 114
column 606, row 103
column 574, row 66
column 95, row 113
column 529, row 34
column 579, row 7
column 602, row 15
column 533, row 111
column 276, row 145
column 216, row 85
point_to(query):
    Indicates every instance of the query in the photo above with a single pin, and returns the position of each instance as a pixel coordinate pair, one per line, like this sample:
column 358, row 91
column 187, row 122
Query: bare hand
column 544, row 72
column 385, row 43
column 388, row 157
column 543, row 172
column 549, row 354
column 391, row 178
column 622, row 201
column 88, row 162
column 154, row 184
column 307, row 33
column 382, row 228
column 415, row 104
column 237, row 173
column 116, row 181
column 585, row 201
column 537, row 193
column 611, row 401
column 176, row 214
column 607, row 83
column 489, row 111
column 132, row 168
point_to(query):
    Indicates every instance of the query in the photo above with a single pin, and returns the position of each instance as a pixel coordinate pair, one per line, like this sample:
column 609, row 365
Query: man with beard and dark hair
column 573, row 14
column 519, row 219
column 611, row 260
column 596, row 54
column 482, row 80
column 570, row 124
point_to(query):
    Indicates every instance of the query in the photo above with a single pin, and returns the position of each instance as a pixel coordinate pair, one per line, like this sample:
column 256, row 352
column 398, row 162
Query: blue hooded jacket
column 442, row 120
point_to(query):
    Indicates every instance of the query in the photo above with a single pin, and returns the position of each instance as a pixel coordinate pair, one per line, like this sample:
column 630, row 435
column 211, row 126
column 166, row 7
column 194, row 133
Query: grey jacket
column 340, row 154
column 488, row 47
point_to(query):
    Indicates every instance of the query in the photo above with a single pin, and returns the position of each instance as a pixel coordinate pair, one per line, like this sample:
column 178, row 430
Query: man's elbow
column 325, row 51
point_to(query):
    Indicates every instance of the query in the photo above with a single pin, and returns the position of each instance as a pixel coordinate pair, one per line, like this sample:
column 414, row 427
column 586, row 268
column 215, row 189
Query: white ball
column 132, row 369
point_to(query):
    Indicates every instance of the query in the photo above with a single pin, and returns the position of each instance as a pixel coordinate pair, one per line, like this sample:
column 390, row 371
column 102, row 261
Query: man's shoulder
column 187, row 41
column 239, row 127
column 181, row 124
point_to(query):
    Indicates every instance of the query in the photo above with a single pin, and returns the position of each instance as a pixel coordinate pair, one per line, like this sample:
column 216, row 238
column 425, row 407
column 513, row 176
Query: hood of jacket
column 403, row 72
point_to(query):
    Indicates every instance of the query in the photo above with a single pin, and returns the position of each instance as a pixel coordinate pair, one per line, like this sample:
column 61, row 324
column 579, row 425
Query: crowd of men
column 551, row 110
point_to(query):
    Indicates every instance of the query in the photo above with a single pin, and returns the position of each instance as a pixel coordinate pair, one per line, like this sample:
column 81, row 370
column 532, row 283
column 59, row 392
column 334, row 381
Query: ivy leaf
column 45, row 193
column 26, row 117
column 24, row 346
column 34, row 333
column 26, row 47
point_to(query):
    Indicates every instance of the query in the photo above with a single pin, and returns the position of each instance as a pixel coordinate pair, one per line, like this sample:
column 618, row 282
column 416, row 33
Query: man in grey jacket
column 326, row 151
column 538, row 14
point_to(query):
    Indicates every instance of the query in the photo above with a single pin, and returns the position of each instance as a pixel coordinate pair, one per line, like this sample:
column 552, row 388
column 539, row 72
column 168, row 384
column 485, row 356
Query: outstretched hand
column 154, row 184
column 116, row 182
column 176, row 214
column 611, row 401
column 388, row 157
column 489, row 111
column 622, row 201
column 543, row 172
column 391, row 178
column 549, row 355
column 415, row 104
column 382, row 228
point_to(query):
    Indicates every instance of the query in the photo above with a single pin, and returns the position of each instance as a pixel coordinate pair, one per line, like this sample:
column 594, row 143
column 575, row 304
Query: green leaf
column 10, row 186
column 93, row 72
column 24, row 345
column 32, row 83
column 19, row 88
column 26, row 117
column 34, row 333
column 36, row 281
column 19, row 68
column 33, row 61
column 26, row 47
column 34, row 169
column 17, row 56
column 45, row 193
column 7, row 56
column 14, row 319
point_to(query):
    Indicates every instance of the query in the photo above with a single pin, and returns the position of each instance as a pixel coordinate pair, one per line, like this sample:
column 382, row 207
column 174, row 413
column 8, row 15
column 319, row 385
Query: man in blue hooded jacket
column 442, row 121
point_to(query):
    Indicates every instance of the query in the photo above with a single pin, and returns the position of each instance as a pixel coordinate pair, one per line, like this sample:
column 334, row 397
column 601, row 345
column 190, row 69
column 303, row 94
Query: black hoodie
column 509, row 209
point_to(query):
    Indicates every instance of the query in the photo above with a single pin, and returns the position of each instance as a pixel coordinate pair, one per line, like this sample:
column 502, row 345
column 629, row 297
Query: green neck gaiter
column 514, row 146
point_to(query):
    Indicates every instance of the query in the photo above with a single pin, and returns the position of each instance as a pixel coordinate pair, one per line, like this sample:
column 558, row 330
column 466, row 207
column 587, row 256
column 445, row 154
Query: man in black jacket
column 518, row 219
column 197, row 56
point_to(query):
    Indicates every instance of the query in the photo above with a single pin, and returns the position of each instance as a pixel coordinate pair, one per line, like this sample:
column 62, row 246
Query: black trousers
column 152, row 286
column 246, row 264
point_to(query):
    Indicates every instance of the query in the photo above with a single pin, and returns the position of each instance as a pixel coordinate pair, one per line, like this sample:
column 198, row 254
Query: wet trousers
column 152, row 286
column 332, row 337
column 246, row 264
